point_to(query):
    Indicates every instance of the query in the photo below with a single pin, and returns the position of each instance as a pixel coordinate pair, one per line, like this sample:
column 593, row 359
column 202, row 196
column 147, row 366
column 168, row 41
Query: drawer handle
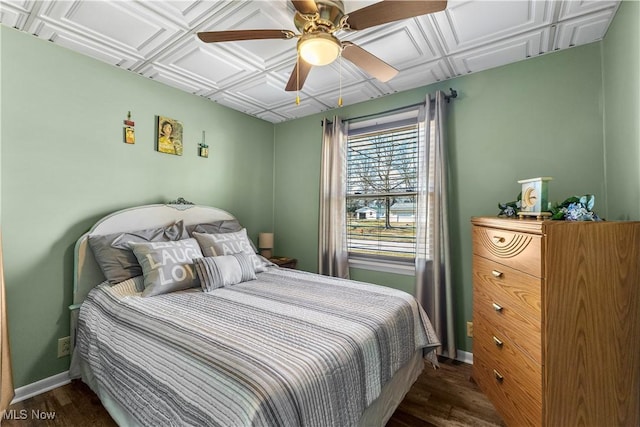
column 497, row 239
column 496, row 273
column 497, row 307
column 498, row 376
column 497, row 341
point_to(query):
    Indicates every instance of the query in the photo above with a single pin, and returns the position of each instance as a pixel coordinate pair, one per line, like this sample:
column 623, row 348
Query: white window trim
column 387, row 266
column 383, row 123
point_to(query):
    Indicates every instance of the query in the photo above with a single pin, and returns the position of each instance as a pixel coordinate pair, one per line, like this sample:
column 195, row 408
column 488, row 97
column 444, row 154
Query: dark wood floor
column 442, row 397
column 445, row 397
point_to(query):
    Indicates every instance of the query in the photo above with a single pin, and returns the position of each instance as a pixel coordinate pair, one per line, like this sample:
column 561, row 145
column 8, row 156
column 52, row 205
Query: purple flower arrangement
column 576, row 209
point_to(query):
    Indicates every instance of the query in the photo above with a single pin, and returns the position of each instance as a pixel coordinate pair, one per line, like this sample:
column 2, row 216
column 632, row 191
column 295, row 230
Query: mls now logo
column 23, row 414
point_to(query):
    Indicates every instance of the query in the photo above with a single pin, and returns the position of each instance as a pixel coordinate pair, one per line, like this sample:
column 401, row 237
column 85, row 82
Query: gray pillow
column 226, row 270
column 229, row 244
column 115, row 257
column 224, row 243
column 218, row 227
column 215, row 227
column 167, row 266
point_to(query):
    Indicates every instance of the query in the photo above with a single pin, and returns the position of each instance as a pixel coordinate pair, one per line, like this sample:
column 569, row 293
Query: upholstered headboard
column 87, row 273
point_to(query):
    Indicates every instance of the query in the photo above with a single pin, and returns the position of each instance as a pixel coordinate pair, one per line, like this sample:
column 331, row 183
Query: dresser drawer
column 509, row 360
column 515, row 405
column 521, row 251
column 508, row 287
column 508, row 374
column 503, row 319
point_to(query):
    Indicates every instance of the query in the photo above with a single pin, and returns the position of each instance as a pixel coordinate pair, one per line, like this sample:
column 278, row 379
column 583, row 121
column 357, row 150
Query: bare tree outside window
column 381, row 187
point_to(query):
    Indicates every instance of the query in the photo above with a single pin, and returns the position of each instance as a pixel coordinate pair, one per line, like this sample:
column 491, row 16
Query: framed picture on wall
column 168, row 135
column 129, row 135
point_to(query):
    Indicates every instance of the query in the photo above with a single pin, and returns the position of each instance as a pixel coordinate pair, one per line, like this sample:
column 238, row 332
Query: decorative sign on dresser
column 556, row 318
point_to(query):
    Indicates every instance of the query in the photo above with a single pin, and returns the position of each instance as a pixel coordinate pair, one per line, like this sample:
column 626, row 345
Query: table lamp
column 265, row 244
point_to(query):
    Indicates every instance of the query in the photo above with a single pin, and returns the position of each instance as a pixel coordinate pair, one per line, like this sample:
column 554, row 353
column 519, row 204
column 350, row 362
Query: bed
column 251, row 344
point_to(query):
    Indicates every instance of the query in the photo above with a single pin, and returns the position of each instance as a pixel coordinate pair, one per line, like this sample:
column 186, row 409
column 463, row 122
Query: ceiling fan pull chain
column 340, row 73
column 298, row 78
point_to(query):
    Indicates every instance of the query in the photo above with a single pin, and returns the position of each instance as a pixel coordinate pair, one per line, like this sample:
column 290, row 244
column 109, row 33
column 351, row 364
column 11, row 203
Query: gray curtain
column 332, row 242
column 433, row 269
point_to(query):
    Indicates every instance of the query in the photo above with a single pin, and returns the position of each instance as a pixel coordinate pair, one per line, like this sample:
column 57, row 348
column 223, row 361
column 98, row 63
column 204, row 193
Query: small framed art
column 129, row 135
column 168, row 135
column 203, row 150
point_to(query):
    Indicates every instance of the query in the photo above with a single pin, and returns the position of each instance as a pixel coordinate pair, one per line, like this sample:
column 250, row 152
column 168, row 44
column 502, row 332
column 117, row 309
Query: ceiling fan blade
column 298, row 75
column 237, row 35
column 305, row 7
column 370, row 63
column 392, row 10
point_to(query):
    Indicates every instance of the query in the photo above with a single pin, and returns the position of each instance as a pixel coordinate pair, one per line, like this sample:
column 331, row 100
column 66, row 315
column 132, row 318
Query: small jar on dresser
column 556, row 319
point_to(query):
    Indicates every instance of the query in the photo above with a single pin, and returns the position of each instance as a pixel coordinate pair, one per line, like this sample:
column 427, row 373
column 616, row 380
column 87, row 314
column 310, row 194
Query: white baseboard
column 464, row 356
column 39, row 387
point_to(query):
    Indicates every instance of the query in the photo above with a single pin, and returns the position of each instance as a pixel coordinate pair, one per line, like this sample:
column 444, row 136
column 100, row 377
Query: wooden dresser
column 556, row 319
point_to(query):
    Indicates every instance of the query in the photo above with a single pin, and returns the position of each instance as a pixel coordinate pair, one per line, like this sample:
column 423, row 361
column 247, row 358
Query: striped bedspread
column 288, row 349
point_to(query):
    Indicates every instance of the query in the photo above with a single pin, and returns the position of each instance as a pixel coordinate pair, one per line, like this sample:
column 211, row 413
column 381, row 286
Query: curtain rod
column 452, row 95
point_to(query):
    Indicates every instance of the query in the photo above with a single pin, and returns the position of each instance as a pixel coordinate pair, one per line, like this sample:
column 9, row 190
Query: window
column 382, row 173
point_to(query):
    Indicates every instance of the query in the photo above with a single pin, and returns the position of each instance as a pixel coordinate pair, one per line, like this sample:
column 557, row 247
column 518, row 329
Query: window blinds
column 381, row 189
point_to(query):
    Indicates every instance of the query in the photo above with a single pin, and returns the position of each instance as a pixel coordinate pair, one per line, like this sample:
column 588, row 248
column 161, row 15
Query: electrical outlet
column 64, row 346
column 470, row 329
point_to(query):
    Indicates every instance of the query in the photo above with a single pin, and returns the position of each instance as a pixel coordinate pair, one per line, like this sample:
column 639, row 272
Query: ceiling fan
column 319, row 20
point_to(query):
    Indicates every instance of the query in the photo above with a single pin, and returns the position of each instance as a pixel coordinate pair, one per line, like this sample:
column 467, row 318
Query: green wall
column 64, row 166
column 621, row 72
column 540, row 117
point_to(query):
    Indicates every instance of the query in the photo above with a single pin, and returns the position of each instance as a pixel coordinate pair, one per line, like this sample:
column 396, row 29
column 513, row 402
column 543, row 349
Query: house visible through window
column 382, row 174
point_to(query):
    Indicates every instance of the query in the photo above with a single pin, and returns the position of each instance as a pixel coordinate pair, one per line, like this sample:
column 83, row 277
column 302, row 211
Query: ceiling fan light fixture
column 319, row 48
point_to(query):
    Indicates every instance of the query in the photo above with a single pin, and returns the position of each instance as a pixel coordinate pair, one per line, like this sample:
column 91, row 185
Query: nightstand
column 284, row 262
